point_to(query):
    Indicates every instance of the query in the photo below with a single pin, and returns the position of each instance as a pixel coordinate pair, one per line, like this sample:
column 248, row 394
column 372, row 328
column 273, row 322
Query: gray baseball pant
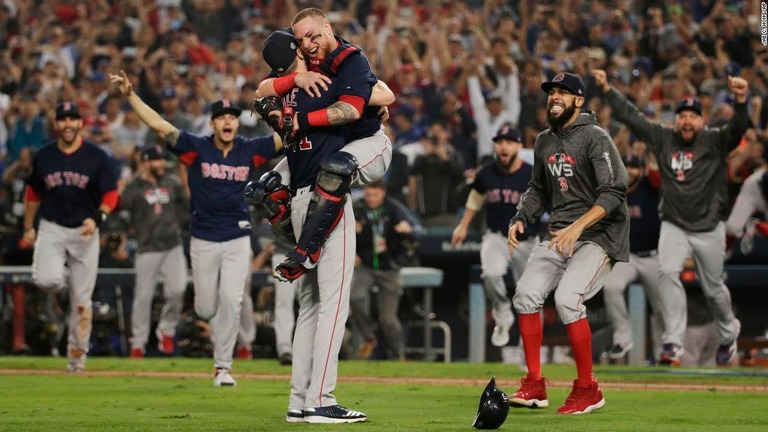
column 171, row 267
column 708, row 250
column 495, row 262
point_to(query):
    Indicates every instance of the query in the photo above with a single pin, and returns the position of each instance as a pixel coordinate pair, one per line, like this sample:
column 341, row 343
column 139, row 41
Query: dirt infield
column 653, row 386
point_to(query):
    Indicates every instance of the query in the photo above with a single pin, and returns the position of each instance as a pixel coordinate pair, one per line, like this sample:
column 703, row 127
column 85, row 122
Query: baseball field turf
column 152, row 394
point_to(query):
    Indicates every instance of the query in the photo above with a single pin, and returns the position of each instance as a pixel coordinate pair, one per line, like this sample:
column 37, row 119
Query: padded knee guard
column 326, row 206
column 272, row 201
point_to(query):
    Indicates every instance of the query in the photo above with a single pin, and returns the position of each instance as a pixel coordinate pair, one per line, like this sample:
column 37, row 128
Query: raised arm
column 166, row 131
column 739, row 123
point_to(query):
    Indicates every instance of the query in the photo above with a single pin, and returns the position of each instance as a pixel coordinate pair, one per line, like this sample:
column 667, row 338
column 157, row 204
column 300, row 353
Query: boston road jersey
column 216, row 183
column 304, row 159
column 502, row 194
column 71, row 185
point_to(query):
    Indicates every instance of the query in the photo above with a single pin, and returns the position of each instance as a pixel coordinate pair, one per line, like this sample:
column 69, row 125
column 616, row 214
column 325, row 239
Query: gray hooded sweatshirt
column 573, row 171
column 694, row 191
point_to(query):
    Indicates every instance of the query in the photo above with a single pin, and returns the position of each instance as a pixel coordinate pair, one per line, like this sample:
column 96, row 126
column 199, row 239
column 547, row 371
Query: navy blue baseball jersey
column 304, row 159
column 71, row 186
column 644, row 223
column 216, row 183
column 348, row 64
column 502, row 195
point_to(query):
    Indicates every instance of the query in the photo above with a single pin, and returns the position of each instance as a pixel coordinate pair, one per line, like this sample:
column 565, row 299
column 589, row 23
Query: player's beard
column 505, row 166
column 72, row 132
column 157, row 173
column 555, row 121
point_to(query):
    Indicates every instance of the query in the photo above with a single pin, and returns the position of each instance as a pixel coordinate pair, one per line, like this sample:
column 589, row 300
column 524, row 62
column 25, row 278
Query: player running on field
column 73, row 186
column 219, row 167
column 499, row 184
column 579, row 176
column 692, row 162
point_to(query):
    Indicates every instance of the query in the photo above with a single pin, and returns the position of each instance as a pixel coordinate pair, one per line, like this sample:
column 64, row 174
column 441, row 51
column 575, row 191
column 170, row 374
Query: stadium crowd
column 459, row 70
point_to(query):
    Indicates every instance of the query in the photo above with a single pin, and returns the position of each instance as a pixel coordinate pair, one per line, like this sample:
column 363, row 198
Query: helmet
column 493, row 409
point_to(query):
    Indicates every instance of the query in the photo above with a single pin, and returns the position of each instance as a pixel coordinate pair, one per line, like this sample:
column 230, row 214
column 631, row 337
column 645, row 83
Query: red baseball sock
column 532, row 335
column 580, row 336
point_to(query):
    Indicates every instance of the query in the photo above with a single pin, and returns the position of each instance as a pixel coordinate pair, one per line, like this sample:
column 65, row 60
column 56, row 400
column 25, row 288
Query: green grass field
column 119, row 394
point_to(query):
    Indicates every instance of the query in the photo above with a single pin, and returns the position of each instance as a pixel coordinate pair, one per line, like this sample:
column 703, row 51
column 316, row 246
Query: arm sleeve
column 625, row 112
column 731, row 134
column 612, row 180
column 535, row 198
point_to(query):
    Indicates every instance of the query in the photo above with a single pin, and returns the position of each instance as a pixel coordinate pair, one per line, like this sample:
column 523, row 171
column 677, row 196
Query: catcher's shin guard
column 272, row 201
column 327, row 205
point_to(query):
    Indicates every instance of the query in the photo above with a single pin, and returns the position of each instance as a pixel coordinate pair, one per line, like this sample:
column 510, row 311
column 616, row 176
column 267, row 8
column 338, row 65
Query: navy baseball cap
column 279, row 50
column 152, row 152
column 691, row 104
column 224, row 106
column 67, row 109
column 567, row 81
column 508, row 133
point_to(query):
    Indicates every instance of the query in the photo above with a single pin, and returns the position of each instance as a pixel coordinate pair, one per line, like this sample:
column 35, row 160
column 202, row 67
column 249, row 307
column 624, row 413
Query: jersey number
column 305, row 144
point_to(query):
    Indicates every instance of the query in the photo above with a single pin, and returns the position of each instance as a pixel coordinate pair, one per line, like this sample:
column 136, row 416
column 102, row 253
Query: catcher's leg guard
column 324, row 212
column 272, row 201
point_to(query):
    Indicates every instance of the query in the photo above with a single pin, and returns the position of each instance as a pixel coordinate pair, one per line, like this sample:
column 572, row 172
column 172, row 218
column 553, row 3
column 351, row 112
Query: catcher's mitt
column 283, row 126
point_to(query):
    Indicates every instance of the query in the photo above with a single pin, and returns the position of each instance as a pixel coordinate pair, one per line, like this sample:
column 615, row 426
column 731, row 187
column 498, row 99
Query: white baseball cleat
column 500, row 336
column 223, row 378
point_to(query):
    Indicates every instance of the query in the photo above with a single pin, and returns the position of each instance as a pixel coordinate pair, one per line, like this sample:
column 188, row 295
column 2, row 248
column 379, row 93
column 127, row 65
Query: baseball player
column 219, row 167
column 368, row 146
column 499, row 184
column 643, row 264
column 157, row 205
column 751, row 200
column 578, row 174
column 694, row 203
column 316, row 162
column 73, row 187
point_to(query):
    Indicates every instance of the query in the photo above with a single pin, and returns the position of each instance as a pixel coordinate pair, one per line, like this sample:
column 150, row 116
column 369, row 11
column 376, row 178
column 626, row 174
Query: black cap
column 566, row 80
column 691, row 104
column 507, row 133
column 279, row 50
column 67, row 109
column 152, row 152
column 224, row 106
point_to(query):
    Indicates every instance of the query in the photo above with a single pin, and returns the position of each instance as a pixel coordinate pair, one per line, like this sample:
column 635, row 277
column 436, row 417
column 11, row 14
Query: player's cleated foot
column 671, row 355
column 366, row 349
column 286, row 359
column 583, row 400
column 223, row 378
column 76, row 359
column 165, row 345
column 333, row 414
column 619, row 351
column 500, row 336
column 288, row 271
column 532, row 394
column 295, row 416
column 137, row 352
column 244, row 353
column 726, row 353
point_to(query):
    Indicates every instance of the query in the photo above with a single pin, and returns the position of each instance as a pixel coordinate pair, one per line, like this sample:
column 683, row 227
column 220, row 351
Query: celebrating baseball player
column 369, row 149
column 74, row 187
column 219, row 167
column 752, row 200
column 500, row 184
column 643, row 264
column 157, row 204
column 315, row 162
column 579, row 175
column 694, row 204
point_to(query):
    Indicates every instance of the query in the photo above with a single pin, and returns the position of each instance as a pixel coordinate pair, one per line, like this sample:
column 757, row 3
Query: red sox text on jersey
column 66, row 178
column 225, row 172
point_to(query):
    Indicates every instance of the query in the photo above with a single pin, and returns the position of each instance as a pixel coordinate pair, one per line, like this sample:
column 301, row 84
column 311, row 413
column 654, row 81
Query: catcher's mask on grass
column 493, row 409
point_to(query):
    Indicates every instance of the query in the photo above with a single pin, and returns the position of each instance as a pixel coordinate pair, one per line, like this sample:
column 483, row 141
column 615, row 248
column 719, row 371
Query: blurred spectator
column 434, row 177
column 130, row 134
column 31, row 129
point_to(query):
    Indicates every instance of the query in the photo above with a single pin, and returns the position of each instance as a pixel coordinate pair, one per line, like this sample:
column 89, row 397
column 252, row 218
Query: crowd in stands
column 459, row 70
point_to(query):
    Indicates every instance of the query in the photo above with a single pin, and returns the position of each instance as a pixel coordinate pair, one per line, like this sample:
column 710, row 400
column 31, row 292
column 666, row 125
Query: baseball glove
column 283, row 126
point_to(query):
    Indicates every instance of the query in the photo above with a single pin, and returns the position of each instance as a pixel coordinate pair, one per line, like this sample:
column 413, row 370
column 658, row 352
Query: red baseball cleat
column 532, row 394
column 137, row 352
column 244, row 353
column 165, row 345
column 583, row 400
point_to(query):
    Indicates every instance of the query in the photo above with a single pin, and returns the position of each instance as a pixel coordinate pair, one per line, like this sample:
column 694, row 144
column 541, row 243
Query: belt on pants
column 646, row 254
column 303, row 191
